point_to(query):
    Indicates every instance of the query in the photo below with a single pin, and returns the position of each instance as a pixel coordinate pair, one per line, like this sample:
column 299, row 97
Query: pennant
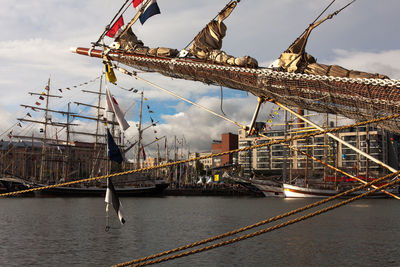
column 28, row 114
column 33, row 109
column 148, row 9
column 37, row 103
column 112, row 106
column 110, row 73
column 43, row 93
column 148, row 107
column 112, row 199
column 19, row 124
column 115, row 27
column 60, row 90
column 143, row 153
column 41, row 97
column 150, row 111
column 114, row 153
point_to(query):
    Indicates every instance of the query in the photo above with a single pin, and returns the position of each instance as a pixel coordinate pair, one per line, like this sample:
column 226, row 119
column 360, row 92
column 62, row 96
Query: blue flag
column 113, row 151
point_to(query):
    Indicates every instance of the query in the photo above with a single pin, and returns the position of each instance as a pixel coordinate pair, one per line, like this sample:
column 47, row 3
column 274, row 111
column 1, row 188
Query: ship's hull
column 11, row 184
column 269, row 189
column 359, row 99
column 293, row 191
column 129, row 191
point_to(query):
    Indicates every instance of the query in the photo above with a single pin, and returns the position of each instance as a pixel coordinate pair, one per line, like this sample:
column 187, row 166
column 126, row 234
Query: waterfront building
column 229, row 141
column 271, row 160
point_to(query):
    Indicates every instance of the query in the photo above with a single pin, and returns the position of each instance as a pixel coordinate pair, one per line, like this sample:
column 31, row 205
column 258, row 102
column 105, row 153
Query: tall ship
column 29, row 161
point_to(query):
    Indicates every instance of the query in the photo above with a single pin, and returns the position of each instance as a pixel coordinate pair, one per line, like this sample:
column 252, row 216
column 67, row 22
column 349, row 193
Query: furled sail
column 295, row 59
column 208, row 42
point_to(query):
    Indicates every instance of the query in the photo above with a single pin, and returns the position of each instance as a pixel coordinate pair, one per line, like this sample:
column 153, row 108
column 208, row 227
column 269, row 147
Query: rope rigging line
column 263, row 231
column 108, row 26
column 202, row 157
column 329, row 17
column 134, row 75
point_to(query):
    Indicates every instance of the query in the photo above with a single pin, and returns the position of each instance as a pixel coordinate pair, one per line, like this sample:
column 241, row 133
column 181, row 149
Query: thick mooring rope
column 143, row 262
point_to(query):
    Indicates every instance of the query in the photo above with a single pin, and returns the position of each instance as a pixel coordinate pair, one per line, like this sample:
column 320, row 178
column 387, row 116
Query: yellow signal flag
column 216, row 178
column 110, row 73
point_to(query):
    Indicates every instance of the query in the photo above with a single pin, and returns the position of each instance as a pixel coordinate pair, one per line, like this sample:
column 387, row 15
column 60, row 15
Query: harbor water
column 71, row 232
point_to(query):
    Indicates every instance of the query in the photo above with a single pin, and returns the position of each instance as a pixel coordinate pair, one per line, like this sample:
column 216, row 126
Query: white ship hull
column 293, row 191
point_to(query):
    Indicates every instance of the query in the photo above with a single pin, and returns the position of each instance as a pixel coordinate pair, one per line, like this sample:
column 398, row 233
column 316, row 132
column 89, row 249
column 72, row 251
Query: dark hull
column 8, row 185
column 147, row 191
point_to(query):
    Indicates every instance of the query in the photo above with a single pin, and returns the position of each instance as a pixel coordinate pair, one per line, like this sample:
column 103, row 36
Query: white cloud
column 36, row 37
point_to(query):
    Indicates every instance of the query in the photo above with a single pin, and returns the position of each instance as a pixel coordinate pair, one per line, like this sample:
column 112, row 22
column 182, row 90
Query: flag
column 149, row 8
column 60, row 90
column 28, row 114
column 41, row 97
column 148, row 107
column 112, row 198
column 143, row 153
column 19, row 124
column 113, row 151
column 112, row 106
column 37, row 103
column 10, row 135
column 115, row 27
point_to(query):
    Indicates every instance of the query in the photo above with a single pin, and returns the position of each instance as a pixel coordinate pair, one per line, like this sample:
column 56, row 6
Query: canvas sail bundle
column 208, row 43
column 295, row 59
column 129, row 42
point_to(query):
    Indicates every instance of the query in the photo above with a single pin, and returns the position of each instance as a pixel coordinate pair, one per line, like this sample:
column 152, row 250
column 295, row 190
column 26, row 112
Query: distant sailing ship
column 54, row 160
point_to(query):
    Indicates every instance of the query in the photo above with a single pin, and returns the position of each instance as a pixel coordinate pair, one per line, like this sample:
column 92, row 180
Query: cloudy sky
column 36, row 37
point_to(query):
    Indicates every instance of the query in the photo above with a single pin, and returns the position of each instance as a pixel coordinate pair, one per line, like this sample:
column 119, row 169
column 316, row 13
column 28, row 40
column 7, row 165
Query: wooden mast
column 42, row 161
column 140, row 133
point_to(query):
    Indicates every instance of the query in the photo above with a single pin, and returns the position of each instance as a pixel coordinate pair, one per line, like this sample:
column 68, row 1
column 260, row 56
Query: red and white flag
column 112, row 106
column 115, row 27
